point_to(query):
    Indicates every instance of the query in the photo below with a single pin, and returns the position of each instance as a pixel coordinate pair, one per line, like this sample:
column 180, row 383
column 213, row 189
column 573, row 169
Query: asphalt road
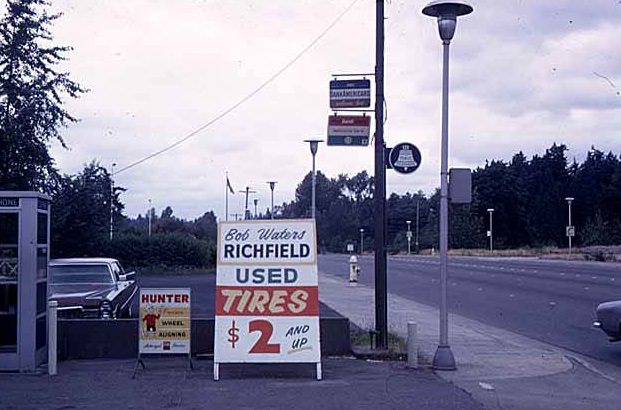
column 551, row 301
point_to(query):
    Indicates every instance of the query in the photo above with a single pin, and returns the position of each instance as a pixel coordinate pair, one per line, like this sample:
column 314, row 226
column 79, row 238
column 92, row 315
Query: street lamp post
column 569, row 227
column 247, row 191
column 491, row 232
column 149, row 218
column 446, row 13
column 409, row 235
column 314, row 144
column 416, row 241
column 272, row 186
column 112, row 199
column 361, row 240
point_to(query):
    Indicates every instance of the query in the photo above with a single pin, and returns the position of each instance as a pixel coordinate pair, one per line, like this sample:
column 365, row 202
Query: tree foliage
column 31, row 96
column 527, row 195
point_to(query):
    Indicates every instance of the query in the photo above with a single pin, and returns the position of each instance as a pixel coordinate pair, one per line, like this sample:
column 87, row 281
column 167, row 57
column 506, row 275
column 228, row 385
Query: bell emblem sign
column 405, row 158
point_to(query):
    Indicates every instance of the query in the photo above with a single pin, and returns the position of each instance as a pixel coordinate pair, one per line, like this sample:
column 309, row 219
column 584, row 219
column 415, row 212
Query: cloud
column 522, row 77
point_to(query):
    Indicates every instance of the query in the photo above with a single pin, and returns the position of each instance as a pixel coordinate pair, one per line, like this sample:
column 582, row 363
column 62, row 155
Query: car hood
column 77, row 294
column 613, row 305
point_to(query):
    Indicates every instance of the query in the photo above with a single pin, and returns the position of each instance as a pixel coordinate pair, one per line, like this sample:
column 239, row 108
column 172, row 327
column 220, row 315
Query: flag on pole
column 228, row 185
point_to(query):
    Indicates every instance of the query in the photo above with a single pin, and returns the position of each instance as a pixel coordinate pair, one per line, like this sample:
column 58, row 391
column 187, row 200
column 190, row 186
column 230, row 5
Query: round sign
column 404, row 158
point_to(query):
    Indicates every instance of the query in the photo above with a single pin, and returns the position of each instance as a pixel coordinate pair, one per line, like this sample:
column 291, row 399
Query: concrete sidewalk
column 499, row 368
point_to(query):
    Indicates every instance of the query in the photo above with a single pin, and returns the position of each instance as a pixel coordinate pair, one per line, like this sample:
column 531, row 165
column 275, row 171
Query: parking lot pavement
column 166, row 383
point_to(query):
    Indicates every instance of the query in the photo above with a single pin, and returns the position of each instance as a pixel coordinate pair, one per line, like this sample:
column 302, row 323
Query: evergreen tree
column 31, row 96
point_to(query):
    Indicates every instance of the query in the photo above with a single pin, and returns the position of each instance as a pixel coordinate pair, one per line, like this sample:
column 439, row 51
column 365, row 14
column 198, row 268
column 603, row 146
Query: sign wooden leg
column 319, row 375
column 216, row 371
column 140, row 362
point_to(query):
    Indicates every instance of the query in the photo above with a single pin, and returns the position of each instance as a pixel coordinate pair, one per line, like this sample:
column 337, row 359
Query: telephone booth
column 24, row 256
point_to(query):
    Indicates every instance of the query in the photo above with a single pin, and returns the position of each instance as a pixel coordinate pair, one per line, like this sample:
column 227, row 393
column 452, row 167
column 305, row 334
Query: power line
column 246, row 98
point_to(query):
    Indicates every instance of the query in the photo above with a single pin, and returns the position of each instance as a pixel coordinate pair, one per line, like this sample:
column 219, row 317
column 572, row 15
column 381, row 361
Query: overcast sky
column 524, row 74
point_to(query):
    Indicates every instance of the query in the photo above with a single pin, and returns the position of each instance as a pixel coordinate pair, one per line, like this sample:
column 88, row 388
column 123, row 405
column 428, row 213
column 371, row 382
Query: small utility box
column 24, row 256
column 460, row 185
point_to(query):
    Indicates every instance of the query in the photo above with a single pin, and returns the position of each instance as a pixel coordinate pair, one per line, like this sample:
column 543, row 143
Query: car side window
column 115, row 270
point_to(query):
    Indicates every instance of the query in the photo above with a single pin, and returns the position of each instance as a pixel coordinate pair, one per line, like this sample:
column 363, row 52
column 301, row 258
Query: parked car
column 91, row 288
column 609, row 319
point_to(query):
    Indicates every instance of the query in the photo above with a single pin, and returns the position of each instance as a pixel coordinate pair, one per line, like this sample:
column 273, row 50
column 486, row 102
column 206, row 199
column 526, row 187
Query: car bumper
column 77, row 312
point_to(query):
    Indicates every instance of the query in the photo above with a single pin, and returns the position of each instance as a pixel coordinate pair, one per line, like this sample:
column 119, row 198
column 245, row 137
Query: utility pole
column 381, row 304
column 272, row 185
column 112, row 200
column 150, row 218
column 247, row 191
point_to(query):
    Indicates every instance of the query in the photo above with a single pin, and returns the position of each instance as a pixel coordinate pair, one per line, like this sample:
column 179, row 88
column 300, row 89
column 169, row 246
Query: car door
column 126, row 289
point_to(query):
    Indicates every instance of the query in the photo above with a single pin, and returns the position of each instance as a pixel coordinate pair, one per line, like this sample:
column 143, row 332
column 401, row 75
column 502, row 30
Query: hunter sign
column 267, row 303
column 164, row 321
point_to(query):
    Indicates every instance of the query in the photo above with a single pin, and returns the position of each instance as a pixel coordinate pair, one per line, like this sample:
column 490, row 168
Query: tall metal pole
column 446, row 13
column 150, row 218
column 444, row 345
column 247, row 191
column 569, row 228
column 272, row 186
column 226, row 199
column 314, row 188
column 314, row 144
column 417, row 208
column 569, row 237
column 361, row 240
column 381, row 305
column 112, row 200
column 491, row 230
column 409, row 235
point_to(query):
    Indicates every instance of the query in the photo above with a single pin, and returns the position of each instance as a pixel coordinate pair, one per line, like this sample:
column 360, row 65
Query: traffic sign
column 349, row 130
column 570, row 230
column 350, row 93
column 404, row 158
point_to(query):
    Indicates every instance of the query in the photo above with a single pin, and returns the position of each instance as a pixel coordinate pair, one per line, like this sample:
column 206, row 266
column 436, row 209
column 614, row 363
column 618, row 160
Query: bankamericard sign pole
column 381, row 305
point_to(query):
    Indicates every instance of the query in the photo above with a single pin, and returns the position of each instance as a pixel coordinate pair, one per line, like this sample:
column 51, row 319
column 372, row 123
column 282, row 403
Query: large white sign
column 164, row 321
column 267, row 302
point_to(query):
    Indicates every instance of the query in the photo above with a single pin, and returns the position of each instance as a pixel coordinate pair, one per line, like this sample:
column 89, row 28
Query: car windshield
column 80, row 274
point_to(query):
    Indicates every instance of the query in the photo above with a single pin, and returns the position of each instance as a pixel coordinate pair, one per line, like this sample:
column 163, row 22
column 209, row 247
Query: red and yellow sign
column 164, row 321
column 267, row 299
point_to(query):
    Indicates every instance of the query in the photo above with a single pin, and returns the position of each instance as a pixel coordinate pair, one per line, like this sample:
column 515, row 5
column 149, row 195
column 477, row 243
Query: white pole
column 111, row 197
column 52, row 337
column 412, row 343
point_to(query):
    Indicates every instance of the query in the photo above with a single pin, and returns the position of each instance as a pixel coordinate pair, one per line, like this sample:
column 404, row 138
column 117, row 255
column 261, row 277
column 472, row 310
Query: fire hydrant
column 353, row 269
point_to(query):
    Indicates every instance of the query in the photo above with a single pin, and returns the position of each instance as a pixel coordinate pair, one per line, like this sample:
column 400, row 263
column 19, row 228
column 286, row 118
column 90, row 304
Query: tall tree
column 31, row 96
column 81, row 212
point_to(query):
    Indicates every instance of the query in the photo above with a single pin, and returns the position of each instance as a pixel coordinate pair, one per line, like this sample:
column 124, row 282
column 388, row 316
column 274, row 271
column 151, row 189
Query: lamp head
column 314, row 143
column 446, row 12
column 490, row 209
column 569, row 199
